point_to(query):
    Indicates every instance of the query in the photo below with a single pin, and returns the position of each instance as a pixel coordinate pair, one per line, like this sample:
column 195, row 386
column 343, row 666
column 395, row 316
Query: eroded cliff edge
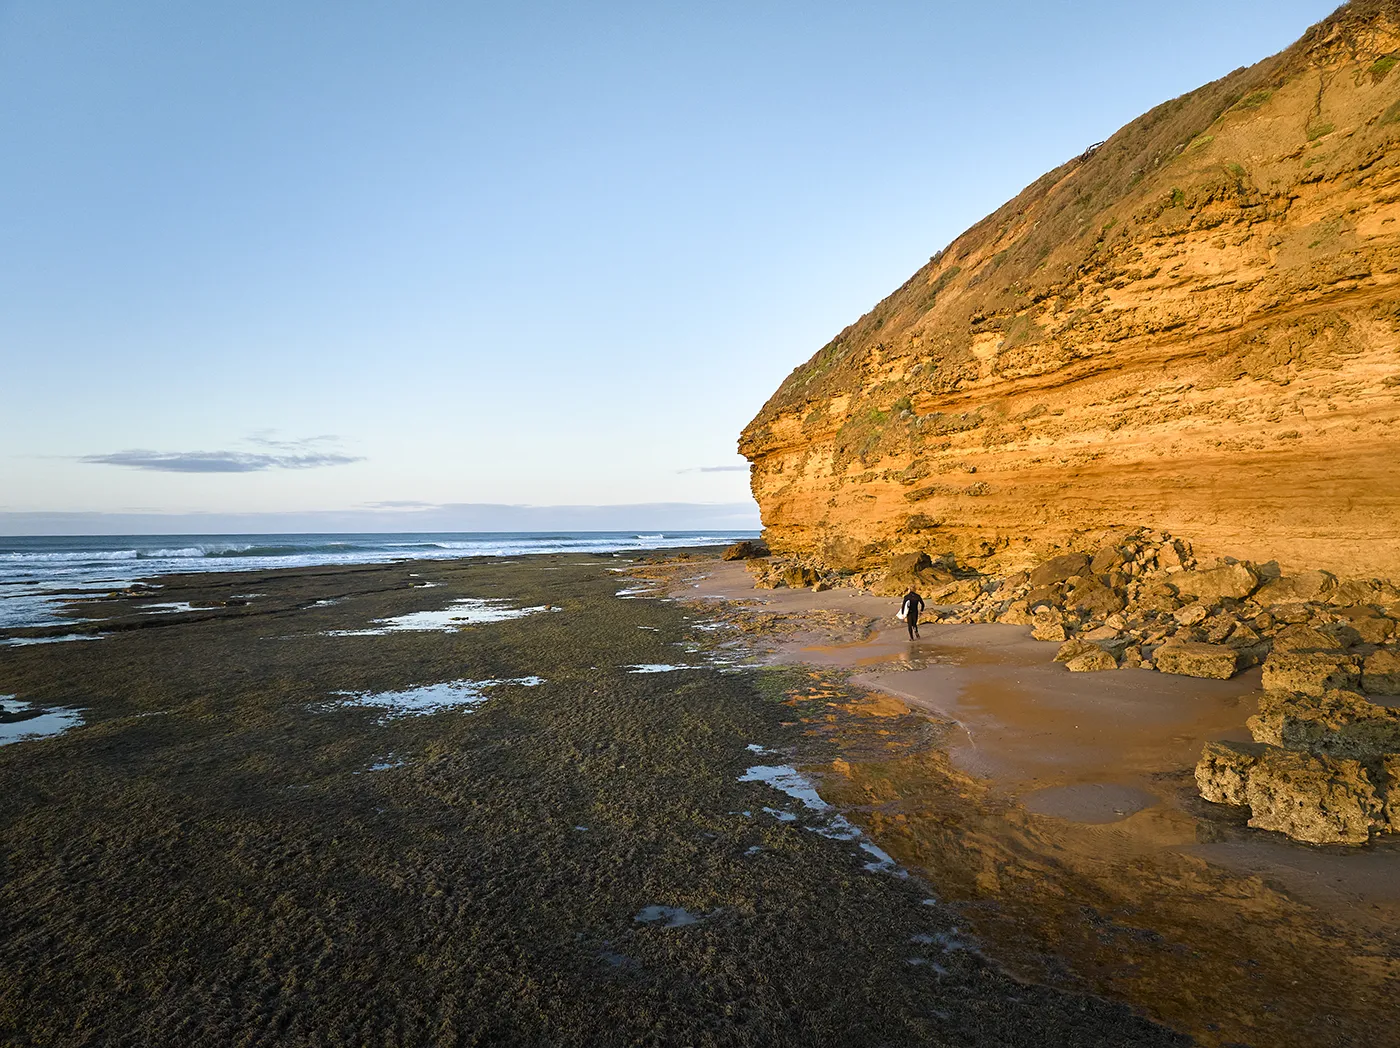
column 1193, row 327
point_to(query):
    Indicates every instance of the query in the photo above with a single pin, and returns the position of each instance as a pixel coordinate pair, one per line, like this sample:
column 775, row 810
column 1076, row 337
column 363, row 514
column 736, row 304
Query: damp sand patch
column 1091, row 803
column 429, row 698
column 468, row 611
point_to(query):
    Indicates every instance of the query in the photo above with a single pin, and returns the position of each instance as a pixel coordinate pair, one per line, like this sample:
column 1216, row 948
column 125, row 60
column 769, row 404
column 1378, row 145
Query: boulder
column 1191, row 614
column 1222, row 773
column 1380, row 673
column 746, row 550
column 1303, row 638
column 1363, row 591
column 1321, row 800
column 1049, row 630
column 1234, row 581
column 906, row 565
column 1093, row 596
column 1092, row 661
column 1370, row 625
column 1390, row 783
column 1294, row 589
column 1336, row 724
column 1072, row 649
column 959, row 592
column 1216, row 661
column 1045, row 597
column 1174, row 554
column 1311, row 672
column 1058, row 569
column 1016, row 614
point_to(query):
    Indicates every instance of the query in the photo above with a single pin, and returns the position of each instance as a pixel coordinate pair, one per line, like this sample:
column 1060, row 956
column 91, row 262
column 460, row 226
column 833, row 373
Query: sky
column 269, row 265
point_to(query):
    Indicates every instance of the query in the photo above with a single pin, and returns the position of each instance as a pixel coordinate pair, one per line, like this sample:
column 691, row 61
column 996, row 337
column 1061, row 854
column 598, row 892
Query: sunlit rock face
column 1193, row 327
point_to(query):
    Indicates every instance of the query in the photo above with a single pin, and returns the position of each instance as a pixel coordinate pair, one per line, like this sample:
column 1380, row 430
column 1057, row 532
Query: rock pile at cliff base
column 1325, row 764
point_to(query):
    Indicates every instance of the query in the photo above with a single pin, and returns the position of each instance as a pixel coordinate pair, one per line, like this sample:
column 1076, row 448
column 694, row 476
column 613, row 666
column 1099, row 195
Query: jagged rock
column 745, row 550
column 1049, row 630
column 1235, row 581
column 1092, row 596
column 1192, row 614
column 956, row 592
column 1380, row 674
column 1174, row 555
column 1321, row 800
column 1364, row 591
column 1215, row 661
column 1302, row 638
column 1072, row 649
column 799, row 576
column 1291, row 614
column 1017, row 614
column 1242, row 636
column 1222, row 773
column 1390, row 784
column 1336, row 724
column 908, row 564
column 1311, row 672
column 1044, row 597
column 1059, row 569
column 1370, row 625
column 1297, row 589
column 1092, row 661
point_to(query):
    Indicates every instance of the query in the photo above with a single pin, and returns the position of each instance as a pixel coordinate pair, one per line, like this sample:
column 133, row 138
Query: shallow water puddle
column 468, row 611
column 21, row 641
column 657, row 667
column 20, row 721
column 787, row 779
column 668, row 916
column 167, row 608
column 430, row 698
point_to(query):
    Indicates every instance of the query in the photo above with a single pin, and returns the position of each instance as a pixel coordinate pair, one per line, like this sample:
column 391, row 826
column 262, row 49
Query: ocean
column 38, row 572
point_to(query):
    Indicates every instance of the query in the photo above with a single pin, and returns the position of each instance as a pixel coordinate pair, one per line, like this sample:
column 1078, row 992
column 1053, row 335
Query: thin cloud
column 217, row 461
column 715, row 469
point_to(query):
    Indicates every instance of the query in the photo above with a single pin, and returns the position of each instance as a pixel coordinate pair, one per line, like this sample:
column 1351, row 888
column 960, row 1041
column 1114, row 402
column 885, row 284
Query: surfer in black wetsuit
column 909, row 610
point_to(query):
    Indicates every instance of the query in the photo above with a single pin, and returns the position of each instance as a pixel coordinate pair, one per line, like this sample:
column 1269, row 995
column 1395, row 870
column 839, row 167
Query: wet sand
column 1073, row 798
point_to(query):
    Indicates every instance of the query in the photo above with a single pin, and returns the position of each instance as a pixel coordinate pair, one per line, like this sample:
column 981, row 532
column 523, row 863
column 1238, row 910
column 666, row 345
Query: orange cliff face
column 1193, row 327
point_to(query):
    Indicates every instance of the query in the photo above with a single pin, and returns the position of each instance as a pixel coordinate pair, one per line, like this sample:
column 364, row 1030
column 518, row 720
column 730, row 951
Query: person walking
column 909, row 611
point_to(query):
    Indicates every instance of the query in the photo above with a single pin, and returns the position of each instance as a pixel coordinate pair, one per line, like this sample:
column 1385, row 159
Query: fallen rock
column 1302, row 638
column 1049, row 631
column 1222, row 773
column 1337, row 724
column 1380, row 673
column 748, row 549
column 1216, row 661
column 1321, row 800
column 1092, row 596
column 1311, row 672
column 1295, row 589
column 1072, row 649
column 1191, row 614
column 1092, row 661
column 1016, row 614
column 1058, row 569
column 1235, row 581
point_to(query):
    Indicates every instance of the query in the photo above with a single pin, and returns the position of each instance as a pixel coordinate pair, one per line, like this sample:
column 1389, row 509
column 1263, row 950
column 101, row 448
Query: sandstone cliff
column 1193, row 327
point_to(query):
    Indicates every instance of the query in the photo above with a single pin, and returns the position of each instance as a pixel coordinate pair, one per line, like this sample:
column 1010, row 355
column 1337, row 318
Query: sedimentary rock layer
column 1194, row 326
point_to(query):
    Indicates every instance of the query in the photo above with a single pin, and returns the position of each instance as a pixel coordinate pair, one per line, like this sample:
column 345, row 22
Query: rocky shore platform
column 486, row 802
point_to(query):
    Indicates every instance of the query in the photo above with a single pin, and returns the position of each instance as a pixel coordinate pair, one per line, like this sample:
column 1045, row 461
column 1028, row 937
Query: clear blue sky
column 277, row 257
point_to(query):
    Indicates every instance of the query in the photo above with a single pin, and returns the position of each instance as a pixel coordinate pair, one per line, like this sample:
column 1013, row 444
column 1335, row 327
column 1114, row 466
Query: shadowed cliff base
column 1195, row 325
